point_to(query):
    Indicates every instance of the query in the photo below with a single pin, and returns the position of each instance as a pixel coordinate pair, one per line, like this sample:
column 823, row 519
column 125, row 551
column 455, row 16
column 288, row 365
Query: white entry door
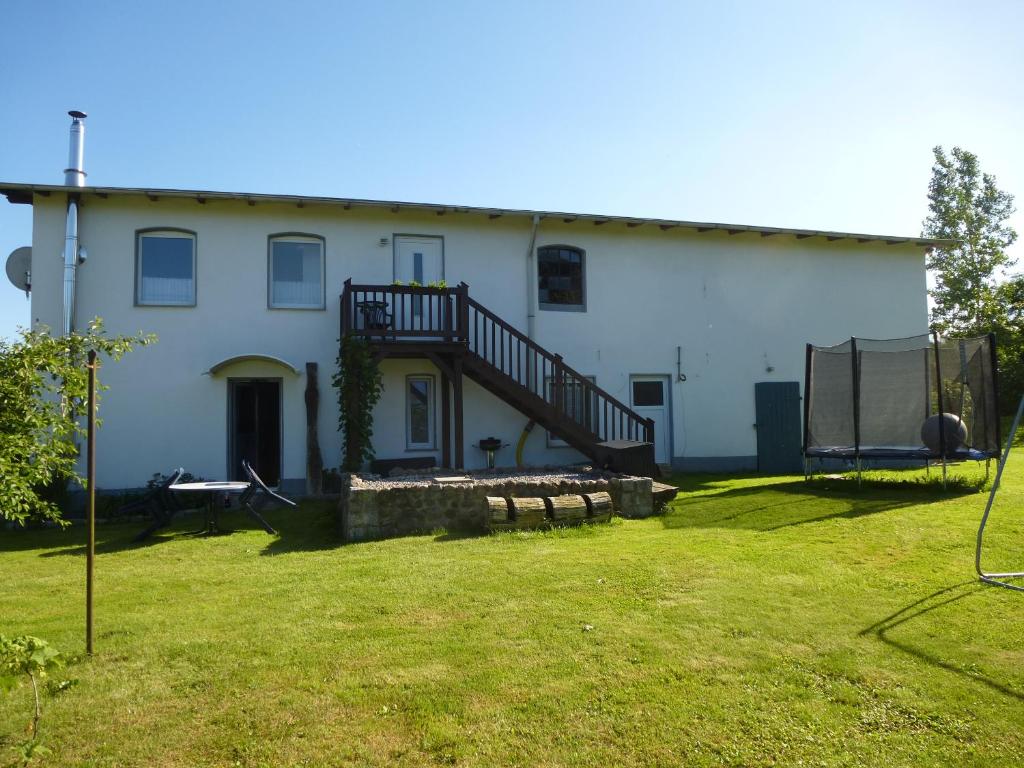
column 649, row 397
column 419, row 259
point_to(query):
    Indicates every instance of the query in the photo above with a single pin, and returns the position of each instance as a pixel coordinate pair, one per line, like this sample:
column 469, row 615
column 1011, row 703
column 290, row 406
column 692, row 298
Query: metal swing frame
column 997, row 578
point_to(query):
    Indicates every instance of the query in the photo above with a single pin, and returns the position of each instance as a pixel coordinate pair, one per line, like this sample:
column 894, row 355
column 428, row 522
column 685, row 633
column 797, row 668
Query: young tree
column 43, row 385
column 965, row 205
column 1009, row 330
column 973, row 294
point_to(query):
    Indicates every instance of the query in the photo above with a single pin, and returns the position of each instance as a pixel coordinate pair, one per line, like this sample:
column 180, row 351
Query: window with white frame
column 419, row 413
column 296, row 272
column 165, row 267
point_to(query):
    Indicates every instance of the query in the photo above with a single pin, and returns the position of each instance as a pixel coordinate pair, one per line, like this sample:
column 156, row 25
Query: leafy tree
column 965, row 205
column 972, row 295
column 1009, row 330
column 43, row 385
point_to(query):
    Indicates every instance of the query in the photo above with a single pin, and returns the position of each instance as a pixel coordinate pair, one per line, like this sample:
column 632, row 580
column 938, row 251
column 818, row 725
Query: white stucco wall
column 736, row 305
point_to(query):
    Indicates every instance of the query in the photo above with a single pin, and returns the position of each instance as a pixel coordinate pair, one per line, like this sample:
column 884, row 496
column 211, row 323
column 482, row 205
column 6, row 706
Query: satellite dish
column 19, row 268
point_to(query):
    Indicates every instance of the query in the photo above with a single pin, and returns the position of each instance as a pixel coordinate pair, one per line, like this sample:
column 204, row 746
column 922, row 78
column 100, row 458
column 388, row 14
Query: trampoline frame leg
column 995, row 578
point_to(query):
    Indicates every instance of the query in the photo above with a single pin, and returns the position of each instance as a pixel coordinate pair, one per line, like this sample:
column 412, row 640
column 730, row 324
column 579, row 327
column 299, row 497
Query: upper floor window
column 296, row 272
column 165, row 267
column 561, row 278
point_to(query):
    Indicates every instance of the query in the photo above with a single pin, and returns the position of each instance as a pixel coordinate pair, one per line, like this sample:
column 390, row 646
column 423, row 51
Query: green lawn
column 761, row 621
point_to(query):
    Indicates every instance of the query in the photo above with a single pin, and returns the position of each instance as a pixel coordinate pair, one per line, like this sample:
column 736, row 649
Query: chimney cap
column 76, row 114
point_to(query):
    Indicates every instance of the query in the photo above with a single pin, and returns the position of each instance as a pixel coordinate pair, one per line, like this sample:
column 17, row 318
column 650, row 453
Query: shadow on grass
column 458, row 535
column 776, row 506
column 120, row 537
column 714, row 501
column 936, row 600
column 110, row 537
column 309, row 528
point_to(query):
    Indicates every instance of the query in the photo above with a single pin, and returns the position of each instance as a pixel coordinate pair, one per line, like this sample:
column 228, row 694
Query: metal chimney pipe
column 74, row 176
column 70, row 265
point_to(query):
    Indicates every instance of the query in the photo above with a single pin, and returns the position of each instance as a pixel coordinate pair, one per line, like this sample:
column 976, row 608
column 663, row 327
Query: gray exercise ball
column 953, row 430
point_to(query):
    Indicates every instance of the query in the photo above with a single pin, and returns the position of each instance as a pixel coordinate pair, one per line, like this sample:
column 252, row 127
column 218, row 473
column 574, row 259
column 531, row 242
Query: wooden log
column 567, row 508
column 598, row 504
column 498, row 509
column 528, row 513
column 314, row 461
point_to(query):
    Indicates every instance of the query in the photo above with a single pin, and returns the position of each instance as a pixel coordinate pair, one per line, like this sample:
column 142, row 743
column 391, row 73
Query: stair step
column 663, row 494
column 628, row 457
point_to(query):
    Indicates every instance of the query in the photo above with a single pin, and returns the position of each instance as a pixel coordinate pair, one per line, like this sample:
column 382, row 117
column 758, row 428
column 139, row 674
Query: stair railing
column 398, row 312
column 566, row 392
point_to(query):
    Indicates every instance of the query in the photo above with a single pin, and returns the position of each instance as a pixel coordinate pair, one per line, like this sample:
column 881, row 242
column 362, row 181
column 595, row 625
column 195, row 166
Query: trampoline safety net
column 872, row 398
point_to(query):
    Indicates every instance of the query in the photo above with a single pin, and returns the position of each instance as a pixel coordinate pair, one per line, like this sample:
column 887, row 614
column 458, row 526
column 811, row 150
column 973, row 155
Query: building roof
column 23, row 193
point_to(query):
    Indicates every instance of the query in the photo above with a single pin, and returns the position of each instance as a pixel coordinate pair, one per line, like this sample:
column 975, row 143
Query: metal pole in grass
column 855, row 380
column 996, row 578
column 90, row 474
column 942, row 407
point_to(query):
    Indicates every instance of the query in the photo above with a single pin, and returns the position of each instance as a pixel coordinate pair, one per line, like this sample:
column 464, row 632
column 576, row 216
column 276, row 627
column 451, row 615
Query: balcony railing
column 403, row 311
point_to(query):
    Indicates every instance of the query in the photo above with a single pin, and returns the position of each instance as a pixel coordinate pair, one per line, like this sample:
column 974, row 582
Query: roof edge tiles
column 24, row 194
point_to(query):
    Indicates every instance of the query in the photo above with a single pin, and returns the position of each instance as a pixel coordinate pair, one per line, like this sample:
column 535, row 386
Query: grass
column 761, row 621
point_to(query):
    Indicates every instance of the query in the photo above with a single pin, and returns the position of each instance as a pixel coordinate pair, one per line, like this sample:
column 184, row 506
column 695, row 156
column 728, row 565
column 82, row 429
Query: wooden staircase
column 465, row 338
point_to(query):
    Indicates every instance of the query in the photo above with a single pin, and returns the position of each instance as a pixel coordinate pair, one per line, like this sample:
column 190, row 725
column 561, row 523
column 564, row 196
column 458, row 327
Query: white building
column 676, row 320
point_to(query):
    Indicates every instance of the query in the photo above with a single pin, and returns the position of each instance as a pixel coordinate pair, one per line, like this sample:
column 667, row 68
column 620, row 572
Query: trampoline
column 920, row 398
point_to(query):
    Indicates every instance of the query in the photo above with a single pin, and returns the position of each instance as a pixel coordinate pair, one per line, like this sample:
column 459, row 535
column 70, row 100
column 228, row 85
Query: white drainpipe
column 531, row 280
column 74, row 176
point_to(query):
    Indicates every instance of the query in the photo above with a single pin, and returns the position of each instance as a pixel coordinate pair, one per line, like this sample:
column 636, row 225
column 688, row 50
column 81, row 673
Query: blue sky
column 802, row 114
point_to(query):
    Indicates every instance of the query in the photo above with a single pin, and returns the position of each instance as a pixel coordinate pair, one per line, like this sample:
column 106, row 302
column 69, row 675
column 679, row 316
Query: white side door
column 419, row 259
column 648, row 396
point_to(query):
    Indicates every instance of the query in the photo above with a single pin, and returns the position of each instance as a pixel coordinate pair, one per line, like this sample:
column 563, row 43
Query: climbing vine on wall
column 359, row 386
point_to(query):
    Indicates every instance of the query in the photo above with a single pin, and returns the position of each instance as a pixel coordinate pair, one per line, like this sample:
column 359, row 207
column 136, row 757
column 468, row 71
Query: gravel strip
column 485, row 477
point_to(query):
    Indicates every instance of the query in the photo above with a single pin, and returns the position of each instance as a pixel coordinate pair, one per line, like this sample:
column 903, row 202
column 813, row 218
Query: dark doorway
column 254, row 424
column 777, row 405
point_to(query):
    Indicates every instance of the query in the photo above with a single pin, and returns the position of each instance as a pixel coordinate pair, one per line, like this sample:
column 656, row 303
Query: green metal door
column 777, row 407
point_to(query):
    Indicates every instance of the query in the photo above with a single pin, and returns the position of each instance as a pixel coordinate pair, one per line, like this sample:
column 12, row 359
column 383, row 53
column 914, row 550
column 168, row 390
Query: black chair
column 159, row 503
column 375, row 315
column 258, row 495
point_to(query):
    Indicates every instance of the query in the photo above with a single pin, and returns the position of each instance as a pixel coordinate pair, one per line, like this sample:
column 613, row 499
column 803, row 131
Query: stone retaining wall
column 375, row 510
column 632, row 496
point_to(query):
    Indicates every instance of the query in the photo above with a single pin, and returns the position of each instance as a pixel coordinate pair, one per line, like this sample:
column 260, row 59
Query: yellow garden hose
column 522, row 442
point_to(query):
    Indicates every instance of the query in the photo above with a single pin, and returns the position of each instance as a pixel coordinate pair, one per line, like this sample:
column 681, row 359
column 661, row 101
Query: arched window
column 296, row 271
column 561, row 278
